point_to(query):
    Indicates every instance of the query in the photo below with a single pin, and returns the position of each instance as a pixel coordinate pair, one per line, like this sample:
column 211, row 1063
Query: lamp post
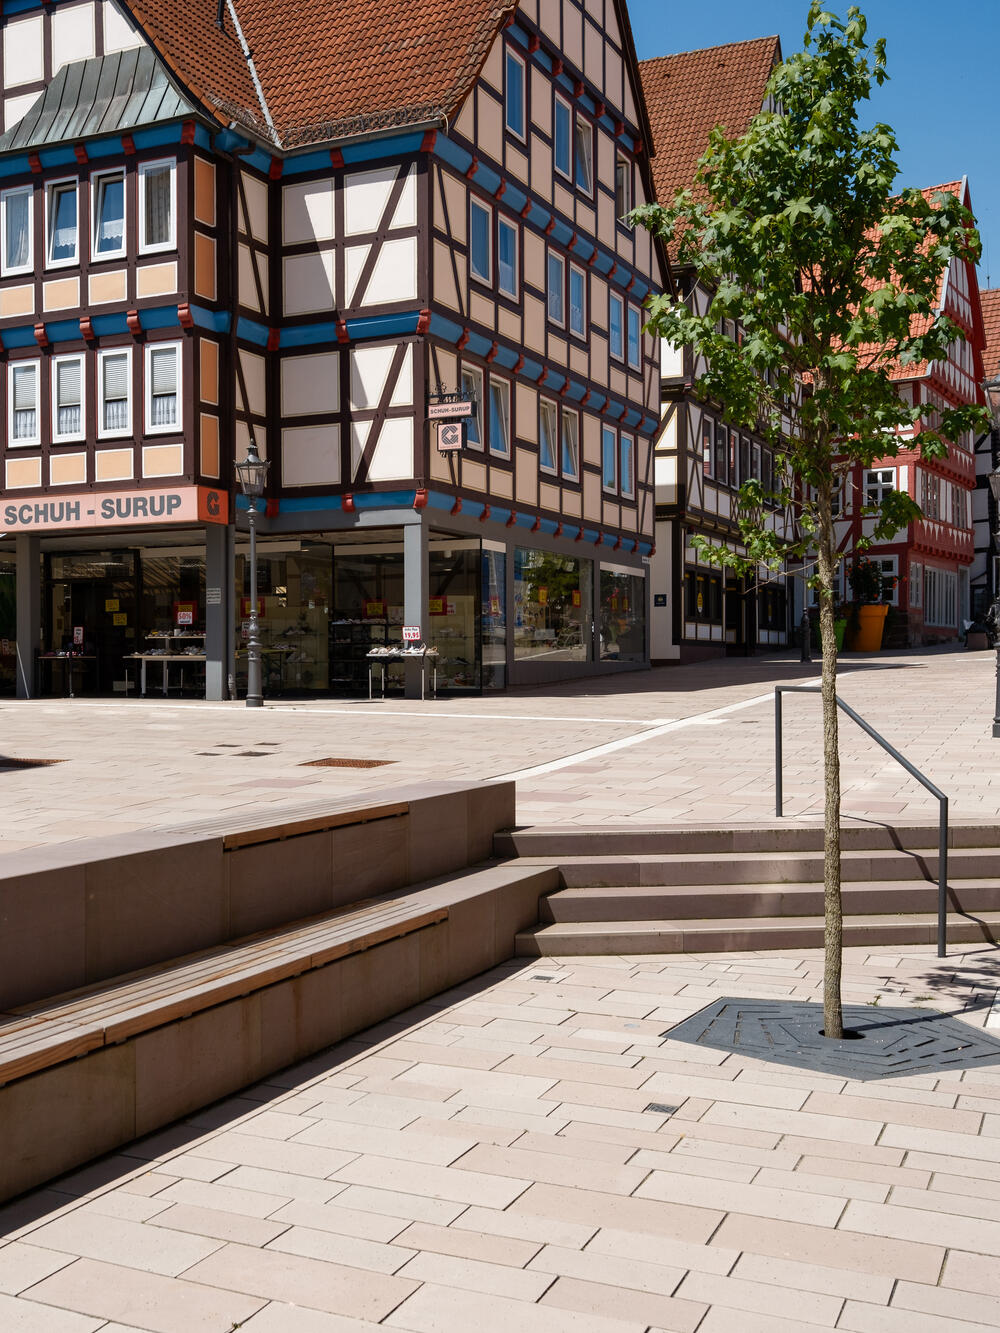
column 252, row 474
column 991, row 390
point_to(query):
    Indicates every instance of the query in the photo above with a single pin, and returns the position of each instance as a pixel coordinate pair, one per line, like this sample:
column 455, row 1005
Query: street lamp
column 991, row 390
column 252, row 474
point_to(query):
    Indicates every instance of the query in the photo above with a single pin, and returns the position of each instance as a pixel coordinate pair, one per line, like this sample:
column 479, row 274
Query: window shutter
column 164, row 371
column 68, row 383
column 25, row 392
column 115, row 377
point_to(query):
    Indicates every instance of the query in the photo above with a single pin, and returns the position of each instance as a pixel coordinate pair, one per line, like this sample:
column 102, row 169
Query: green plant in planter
column 865, row 578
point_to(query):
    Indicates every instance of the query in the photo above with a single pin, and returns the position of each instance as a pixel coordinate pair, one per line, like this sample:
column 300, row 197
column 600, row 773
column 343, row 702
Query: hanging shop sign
column 116, row 509
column 450, row 410
column 450, row 437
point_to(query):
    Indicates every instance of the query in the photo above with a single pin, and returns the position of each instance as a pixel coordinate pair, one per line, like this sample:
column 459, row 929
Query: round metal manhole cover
column 885, row 1043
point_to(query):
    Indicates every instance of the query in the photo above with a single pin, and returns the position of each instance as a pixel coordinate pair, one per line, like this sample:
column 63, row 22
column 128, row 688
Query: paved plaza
column 692, row 743
column 531, row 1151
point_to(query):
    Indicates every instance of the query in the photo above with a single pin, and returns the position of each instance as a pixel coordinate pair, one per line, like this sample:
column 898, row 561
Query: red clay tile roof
column 326, row 71
column 687, row 95
column 990, row 301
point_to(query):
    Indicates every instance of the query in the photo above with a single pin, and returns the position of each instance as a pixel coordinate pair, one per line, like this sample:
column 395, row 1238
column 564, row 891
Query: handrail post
column 942, row 878
column 777, row 752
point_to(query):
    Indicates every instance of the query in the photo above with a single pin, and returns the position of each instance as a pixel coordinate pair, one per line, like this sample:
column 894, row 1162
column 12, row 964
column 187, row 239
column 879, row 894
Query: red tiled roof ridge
column 707, row 50
column 990, row 302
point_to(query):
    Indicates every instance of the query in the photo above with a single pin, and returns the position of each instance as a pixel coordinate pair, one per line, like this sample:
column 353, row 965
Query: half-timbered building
column 302, row 224
column 984, row 573
column 926, row 567
column 701, row 459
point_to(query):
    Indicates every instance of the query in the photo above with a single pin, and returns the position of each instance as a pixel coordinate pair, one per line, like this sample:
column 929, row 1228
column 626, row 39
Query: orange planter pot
column 867, row 637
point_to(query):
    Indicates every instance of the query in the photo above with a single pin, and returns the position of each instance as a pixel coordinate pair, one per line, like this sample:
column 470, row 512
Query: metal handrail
column 779, row 690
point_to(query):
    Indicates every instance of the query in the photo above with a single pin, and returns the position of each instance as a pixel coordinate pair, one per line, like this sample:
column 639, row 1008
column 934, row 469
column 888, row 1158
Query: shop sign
column 374, row 610
column 119, row 618
column 436, row 606
column 701, row 602
column 659, row 599
column 184, row 613
column 444, row 411
column 78, row 634
column 543, row 596
column 116, row 509
column 111, row 603
column 576, row 596
column 449, row 437
column 411, row 634
column 244, row 609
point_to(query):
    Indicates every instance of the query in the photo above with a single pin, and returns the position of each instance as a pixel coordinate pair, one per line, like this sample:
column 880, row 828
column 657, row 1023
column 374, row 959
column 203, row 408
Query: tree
column 832, row 281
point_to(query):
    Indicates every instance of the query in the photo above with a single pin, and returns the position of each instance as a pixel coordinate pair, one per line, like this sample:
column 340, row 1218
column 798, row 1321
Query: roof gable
column 990, row 301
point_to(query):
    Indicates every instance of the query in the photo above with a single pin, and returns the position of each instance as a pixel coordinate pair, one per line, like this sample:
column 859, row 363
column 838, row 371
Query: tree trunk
column 833, row 1019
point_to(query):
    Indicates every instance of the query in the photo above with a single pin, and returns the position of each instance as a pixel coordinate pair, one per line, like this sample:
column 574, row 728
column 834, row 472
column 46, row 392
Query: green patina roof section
column 110, row 94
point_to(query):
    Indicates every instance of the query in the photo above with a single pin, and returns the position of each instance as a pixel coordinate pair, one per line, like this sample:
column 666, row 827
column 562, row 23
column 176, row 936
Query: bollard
column 805, row 633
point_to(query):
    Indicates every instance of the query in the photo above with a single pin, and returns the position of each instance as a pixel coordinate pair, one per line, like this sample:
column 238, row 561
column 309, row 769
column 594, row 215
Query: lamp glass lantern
column 252, row 473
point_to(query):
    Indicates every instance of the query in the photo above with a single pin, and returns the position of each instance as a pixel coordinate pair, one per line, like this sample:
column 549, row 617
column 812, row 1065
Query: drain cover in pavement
column 346, row 763
column 885, row 1042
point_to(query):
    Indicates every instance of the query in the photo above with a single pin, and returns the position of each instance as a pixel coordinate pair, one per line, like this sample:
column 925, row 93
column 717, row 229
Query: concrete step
column 737, row 934
column 772, row 867
column 605, row 840
column 657, row 902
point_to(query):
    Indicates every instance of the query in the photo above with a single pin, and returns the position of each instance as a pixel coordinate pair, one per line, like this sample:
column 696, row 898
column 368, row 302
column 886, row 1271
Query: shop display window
column 553, row 597
column 623, row 616
column 494, row 567
column 294, row 601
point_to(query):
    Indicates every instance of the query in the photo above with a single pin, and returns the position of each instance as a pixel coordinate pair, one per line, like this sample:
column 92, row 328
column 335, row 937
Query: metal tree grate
column 346, row 763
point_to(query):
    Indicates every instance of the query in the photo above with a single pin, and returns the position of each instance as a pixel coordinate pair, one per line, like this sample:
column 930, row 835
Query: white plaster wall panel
column 550, row 20
column 405, row 214
column 529, row 8
column 67, row 469
column 369, row 370
column 526, row 477
column 473, row 476
column 445, row 367
column 579, row 361
column 610, row 23
column 307, row 212
column 623, row 241
column 242, row 440
column 445, row 290
column 644, row 253
column 533, row 248
column 564, row 200
column 454, row 221
column 557, row 350
column 441, row 468
column 618, row 382
column 661, row 645
column 517, row 164
column 541, row 100
column 310, row 384
column 614, row 78
column 598, row 358
column 598, row 300
column 22, row 51
column 15, row 108
column 355, row 258
column 72, row 35
column 360, row 430
column 395, row 275
column 482, row 310
column 573, row 34
column 541, row 169
column 310, row 456
column 593, row 54
column 255, row 191
column 255, row 375
column 509, row 324
column 607, row 231
column 119, row 33
column 534, row 324
column 393, row 457
column 248, row 287
column 671, row 360
column 492, row 70
column 526, row 416
column 366, row 194
column 162, row 460
column 611, row 516
column 667, row 438
column 629, row 104
column 548, row 496
column 635, row 389
column 665, row 478
column 465, row 123
column 501, row 483
column 592, row 497
column 490, row 139
column 586, row 218
column 572, row 503
column 309, row 283
column 591, row 439
column 606, row 153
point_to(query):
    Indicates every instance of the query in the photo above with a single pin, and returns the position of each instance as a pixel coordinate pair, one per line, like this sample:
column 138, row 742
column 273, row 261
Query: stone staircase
column 710, row 890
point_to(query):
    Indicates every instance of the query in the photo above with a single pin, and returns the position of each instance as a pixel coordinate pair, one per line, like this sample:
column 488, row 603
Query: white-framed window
column 548, row 438
column 499, row 417
column 626, row 453
column 157, row 206
column 562, row 138
column 16, row 231
column 472, row 388
column 513, row 102
column 888, row 567
column 916, row 585
column 506, row 257
column 940, row 597
column 107, row 214
column 623, row 186
column 22, row 402
column 930, row 494
column 114, row 397
column 62, row 231
column 959, row 507
column 616, row 326
column 577, row 301
column 583, row 155
column 570, row 444
column 556, row 288
column 480, row 248
column 634, row 338
column 609, row 458
column 163, row 388
column 707, row 446
column 878, row 483
column 67, row 398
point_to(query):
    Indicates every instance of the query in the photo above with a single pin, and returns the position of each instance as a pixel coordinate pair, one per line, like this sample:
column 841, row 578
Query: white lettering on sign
column 449, row 437
column 117, row 509
column 442, row 411
column 411, row 634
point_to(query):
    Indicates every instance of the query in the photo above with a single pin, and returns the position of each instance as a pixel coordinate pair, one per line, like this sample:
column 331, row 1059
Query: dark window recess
column 721, row 453
column 771, row 608
column 703, row 597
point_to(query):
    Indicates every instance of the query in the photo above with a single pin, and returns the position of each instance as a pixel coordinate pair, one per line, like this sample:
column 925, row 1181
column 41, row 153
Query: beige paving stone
column 131, row 1244
column 974, row 1272
column 24, row 1316
column 523, row 1164
column 23, row 1264
column 964, row 1233
column 120, row 1203
column 938, row 1200
column 550, row 1121
column 435, row 1182
column 705, row 1168
column 731, row 1196
column 341, row 1221
column 524, row 1226
column 900, row 1113
column 141, row 1300
column 720, row 1320
column 796, row 1276
column 608, row 1075
column 469, row 1129
column 450, row 1310
column 281, row 1184
column 941, row 1141
column 843, row 1152
column 883, row 1175
column 278, row 1317
column 841, row 1188
column 219, row 1225
column 274, row 1155
column 150, row 1182
column 658, row 1141
column 793, row 1122
column 223, row 1198
column 374, row 1109
column 610, row 1270
column 274, row 1124
column 492, row 1279
column 668, row 1087
column 834, row 1248
column 680, row 1221
column 561, row 1146
column 588, row 1298
column 335, row 1247
column 948, row 1303
column 748, row 1297
column 954, row 1166
column 408, row 1145
column 397, row 1203
column 302, row 1281
column 468, row 1244
column 860, row 1318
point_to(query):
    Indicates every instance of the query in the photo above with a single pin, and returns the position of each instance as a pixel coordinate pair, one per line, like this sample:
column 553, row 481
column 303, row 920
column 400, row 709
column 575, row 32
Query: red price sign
column 411, row 634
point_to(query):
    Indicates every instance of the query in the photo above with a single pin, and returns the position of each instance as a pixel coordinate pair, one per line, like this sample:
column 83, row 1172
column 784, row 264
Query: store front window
column 91, row 603
column 494, row 566
column 294, row 597
column 623, row 615
column 8, row 627
column 553, row 596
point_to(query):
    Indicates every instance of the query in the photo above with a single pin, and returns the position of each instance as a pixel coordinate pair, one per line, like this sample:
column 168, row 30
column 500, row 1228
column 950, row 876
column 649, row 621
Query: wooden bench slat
column 297, row 828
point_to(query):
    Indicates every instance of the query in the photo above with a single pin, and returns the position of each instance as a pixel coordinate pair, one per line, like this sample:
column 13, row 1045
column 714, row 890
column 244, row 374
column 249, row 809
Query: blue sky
column 943, row 94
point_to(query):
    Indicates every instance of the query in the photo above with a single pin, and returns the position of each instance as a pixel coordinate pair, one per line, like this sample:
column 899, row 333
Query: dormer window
column 107, row 202
column 62, row 230
column 157, row 206
column 15, row 226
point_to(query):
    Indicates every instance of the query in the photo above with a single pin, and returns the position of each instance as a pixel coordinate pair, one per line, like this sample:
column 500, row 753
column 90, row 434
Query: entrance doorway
column 92, row 614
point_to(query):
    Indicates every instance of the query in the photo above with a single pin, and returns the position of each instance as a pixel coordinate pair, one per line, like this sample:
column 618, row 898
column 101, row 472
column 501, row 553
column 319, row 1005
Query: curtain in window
column 156, row 194
column 163, row 373
column 115, row 390
column 69, row 386
column 25, row 403
column 17, row 210
column 110, row 235
column 63, row 223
